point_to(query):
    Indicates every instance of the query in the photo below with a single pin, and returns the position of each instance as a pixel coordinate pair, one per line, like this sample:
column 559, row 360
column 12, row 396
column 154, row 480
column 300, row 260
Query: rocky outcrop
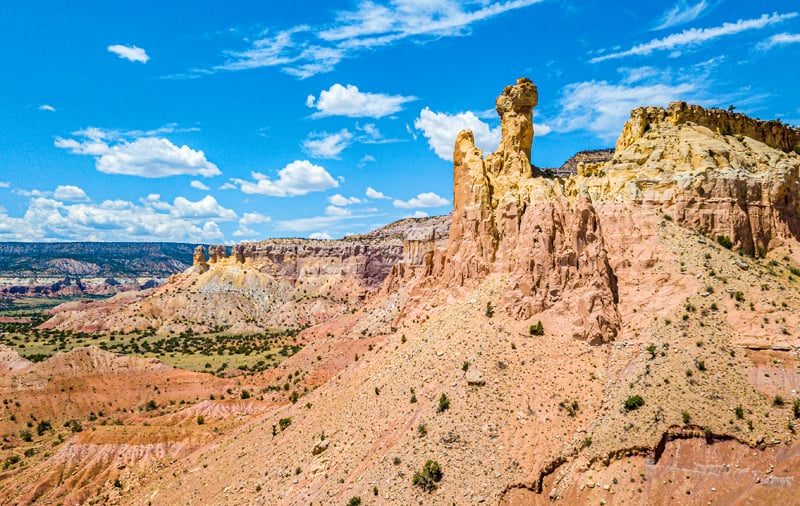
column 772, row 133
column 199, row 259
column 507, row 222
column 717, row 172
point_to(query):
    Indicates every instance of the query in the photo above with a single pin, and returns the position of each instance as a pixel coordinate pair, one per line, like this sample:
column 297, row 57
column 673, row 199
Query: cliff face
column 275, row 283
column 508, row 223
column 772, row 133
column 70, row 269
column 716, row 172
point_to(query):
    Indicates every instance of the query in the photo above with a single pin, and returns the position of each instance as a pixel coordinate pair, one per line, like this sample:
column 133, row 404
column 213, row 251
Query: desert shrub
column 725, row 241
column 444, row 403
column 284, row 422
column 570, row 407
column 778, row 400
column 428, row 477
column 537, row 330
column 354, row 501
column 634, row 402
column 685, row 416
column 651, row 349
column 201, row 419
column 26, row 436
column 422, row 430
column 245, row 394
column 43, row 427
column 796, row 408
column 489, row 310
column 294, row 396
column 739, row 412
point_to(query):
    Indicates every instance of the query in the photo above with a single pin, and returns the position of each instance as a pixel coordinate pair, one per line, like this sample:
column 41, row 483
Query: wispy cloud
column 47, row 107
column 780, row 39
column 602, row 107
column 199, row 185
column 131, row 53
column 697, row 36
column 682, row 13
column 348, row 101
column 327, row 145
column 305, row 51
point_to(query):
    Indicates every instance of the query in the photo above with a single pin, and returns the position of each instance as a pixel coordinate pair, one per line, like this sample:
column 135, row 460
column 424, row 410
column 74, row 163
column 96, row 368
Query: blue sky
column 222, row 122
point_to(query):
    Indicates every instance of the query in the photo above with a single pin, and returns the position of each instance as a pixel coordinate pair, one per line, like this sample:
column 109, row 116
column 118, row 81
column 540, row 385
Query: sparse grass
column 739, row 412
column 685, row 416
column 537, row 330
column 778, row 401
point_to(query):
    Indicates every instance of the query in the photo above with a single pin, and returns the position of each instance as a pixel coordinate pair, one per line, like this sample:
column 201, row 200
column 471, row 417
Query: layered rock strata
column 507, row 222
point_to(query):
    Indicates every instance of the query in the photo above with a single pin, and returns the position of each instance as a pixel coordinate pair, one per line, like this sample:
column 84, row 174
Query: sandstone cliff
column 274, row 283
column 505, row 221
column 714, row 171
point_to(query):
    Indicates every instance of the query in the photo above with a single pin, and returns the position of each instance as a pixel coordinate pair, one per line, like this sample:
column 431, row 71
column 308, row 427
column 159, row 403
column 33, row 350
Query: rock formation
column 714, row 171
column 507, row 222
column 772, row 133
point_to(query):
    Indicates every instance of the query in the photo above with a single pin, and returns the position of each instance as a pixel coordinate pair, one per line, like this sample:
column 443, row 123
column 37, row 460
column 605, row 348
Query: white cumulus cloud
column 428, row 199
column 254, row 219
column 149, row 157
column 47, row 219
column 341, row 201
column 207, row 207
column 152, row 158
column 297, row 178
column 348, row 101
column 441, row 130
column 131, row 53
column 199, row 185
column 375, row 194
column 70, row 193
